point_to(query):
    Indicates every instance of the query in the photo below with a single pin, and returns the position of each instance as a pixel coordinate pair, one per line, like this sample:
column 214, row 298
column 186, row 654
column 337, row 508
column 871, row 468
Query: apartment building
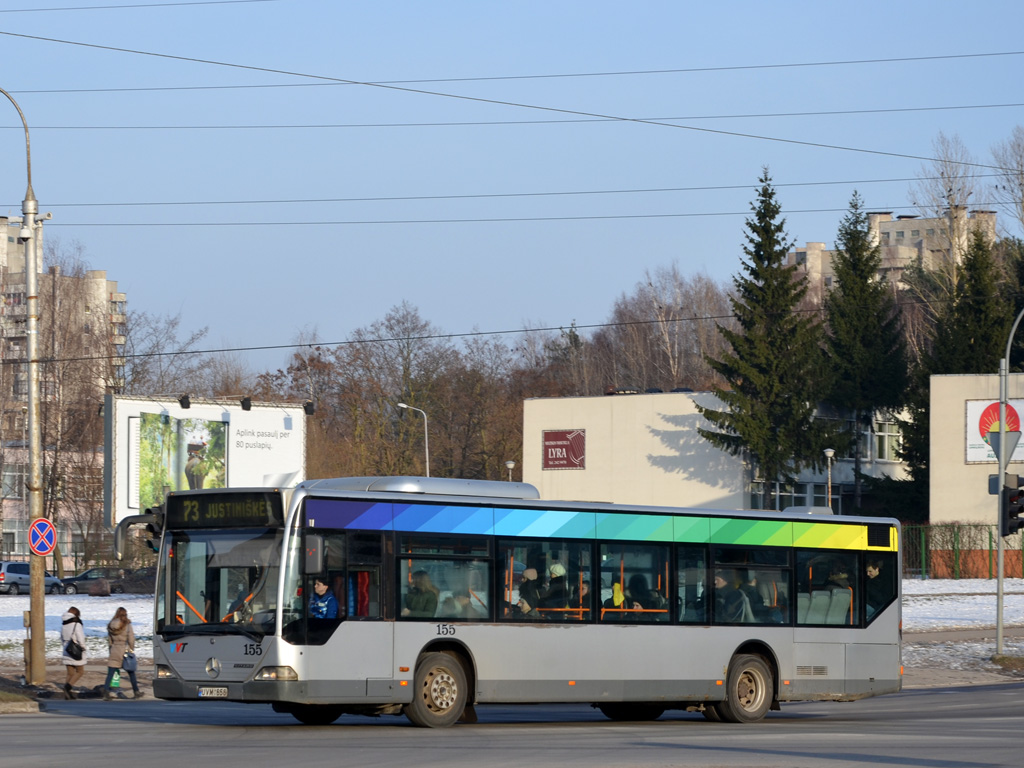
column 81, row 326
column 905, row 241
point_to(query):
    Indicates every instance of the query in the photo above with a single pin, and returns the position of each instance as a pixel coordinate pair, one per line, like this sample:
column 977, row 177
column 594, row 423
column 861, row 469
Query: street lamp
column 37, row 610
column 426, row 433
column 510, row 465
column 829, row 453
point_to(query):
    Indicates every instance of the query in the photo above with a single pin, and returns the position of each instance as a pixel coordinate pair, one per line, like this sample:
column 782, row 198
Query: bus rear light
column 276, row 673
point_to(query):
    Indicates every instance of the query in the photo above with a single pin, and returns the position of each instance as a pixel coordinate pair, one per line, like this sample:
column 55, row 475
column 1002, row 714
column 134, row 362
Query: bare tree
column 157, row 361
column 944, row 190
column 1008, row 190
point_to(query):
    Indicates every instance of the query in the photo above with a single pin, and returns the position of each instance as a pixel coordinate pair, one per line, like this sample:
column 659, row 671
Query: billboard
column 982, row 416
column 155, row 445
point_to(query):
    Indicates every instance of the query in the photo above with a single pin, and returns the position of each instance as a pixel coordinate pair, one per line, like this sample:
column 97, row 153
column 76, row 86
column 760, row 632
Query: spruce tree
column 866, row 353
column 774, row 364
column 970, row 337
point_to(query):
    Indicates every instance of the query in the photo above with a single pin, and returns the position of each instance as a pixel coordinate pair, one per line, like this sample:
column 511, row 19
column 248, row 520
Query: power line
column 133, row 5
column 498, row 102
column 483, row 220
column 495, row 195
column 485, row 123
column 314, row 345
column 546, row 76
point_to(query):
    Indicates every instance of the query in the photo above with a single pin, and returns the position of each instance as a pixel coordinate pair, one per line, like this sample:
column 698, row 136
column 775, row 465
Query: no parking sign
column 42, row 537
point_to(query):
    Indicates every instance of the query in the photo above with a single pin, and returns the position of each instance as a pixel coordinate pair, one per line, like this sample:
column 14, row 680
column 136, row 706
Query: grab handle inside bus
column 314, row 561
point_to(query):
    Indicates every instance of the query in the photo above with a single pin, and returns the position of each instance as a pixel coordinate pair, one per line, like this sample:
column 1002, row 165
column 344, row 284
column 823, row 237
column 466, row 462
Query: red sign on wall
column 564, row 449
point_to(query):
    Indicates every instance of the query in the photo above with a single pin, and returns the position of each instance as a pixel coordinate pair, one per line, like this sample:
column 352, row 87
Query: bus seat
column 817, row 611
column 803, row 603
column 839, row 606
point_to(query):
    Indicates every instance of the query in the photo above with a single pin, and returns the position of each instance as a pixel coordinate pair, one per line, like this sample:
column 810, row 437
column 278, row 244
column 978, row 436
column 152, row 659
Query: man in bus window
column 323, row 605
column 729, row 601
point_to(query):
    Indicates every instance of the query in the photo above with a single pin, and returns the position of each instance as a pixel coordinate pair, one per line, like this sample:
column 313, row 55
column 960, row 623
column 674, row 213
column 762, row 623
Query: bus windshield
column 220, row 580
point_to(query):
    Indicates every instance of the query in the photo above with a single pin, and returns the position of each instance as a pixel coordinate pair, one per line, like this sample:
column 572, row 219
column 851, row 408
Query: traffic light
column 1012, row 505
column 153, row 530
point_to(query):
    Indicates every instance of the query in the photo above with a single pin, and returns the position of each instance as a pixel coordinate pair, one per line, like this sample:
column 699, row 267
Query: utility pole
column 36, row 662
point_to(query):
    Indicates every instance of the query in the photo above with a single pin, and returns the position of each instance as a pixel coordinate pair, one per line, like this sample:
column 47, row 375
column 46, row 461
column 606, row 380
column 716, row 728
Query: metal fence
column 958, row 551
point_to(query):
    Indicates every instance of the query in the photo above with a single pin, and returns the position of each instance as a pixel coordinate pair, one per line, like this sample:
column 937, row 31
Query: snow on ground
column 928, row 605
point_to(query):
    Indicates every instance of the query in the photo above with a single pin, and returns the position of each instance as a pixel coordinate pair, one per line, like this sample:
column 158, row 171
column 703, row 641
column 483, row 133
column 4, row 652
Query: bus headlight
column 163, row 672
column 276, row 673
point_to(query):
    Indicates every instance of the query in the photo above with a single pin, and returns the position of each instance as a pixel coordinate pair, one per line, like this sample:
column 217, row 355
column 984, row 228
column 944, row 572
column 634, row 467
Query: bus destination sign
column 229, row 510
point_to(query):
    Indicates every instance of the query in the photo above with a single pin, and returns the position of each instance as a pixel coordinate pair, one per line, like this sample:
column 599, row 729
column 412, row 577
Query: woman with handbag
column 72, row 636
column 122, row 640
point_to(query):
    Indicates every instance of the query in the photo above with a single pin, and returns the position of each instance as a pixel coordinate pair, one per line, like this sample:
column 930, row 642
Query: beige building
column 645, row 449
column 963, row 408
column 906, row 241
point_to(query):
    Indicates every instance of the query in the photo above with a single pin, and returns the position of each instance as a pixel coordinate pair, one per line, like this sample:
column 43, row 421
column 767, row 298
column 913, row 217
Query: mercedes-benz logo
column 213, row 667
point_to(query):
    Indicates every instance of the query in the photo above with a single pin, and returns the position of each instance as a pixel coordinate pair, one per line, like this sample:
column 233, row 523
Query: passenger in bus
column 323, row 604
column 421, row 599
column 731, row 605
column 449, row 609
column 640, row 597
column 877, row 589
column 466, row 610
column 526, row 612
column 529, row 587
column 748, row 586
column 838, row 576
column 556, row 594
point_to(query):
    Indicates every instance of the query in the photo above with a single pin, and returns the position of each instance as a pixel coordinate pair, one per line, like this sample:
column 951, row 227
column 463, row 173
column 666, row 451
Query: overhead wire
column 497, row 102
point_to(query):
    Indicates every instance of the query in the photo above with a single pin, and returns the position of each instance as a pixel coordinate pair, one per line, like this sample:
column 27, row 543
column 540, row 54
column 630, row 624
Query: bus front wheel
column 749, row 690
column 440, row 691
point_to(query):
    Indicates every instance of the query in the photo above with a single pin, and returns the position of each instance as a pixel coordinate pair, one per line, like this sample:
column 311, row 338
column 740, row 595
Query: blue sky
column 283, row 238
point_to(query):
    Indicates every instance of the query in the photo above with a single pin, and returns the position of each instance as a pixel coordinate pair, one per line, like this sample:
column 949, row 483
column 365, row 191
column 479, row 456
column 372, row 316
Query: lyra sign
column 564, row 449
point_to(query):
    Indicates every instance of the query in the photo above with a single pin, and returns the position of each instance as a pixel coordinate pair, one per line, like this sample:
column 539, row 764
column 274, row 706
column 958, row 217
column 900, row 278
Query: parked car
column 84, row 581
column 14, row 579
column 140, row 581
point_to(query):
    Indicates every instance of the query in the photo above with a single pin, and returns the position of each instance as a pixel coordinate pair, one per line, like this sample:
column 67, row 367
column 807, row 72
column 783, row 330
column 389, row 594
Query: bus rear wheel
column 313, row 714
column 626, row 712
column 749, row 690
column 440, row 691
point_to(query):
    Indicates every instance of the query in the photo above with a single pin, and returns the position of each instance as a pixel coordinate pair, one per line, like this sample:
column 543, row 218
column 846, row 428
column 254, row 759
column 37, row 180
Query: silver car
column 14, row 579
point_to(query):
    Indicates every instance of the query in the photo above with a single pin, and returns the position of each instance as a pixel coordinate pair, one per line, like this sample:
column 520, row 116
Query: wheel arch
column 462, row 653
column 764, row 650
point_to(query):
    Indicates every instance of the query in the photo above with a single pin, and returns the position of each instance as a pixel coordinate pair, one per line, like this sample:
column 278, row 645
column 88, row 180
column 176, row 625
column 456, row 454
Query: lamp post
column 426, row 433
column 510, row 465
column 36, row 671
column 829, row 453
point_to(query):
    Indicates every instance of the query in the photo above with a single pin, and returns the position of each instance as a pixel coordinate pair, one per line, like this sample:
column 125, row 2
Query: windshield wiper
column 212, row 629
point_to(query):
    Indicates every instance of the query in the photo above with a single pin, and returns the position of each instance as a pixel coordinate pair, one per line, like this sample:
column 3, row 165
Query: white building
column 645, row 449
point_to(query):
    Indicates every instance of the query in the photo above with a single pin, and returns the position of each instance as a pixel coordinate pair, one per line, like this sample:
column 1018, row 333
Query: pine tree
column 970, row 337
column 864, row 347
column 774, row 366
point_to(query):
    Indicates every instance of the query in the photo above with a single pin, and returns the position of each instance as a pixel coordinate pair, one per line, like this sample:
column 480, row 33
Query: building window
column 888, row 441
column 915, row 233
column 828, row 282
column 930, row 232
column 899, row 234
column 801, row 257
column 885, row 237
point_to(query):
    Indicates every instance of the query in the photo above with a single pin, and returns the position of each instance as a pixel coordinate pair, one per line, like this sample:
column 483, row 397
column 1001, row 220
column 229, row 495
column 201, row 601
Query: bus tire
column 749, row 690
column 629, row 712
column 711, row 713
column 440, row 691
column 313, row 714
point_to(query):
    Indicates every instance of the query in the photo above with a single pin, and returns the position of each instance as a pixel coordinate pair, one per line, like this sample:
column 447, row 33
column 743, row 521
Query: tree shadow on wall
column 692, row 457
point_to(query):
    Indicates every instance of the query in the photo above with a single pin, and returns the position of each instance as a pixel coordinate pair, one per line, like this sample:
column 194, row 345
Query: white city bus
column 451, row 593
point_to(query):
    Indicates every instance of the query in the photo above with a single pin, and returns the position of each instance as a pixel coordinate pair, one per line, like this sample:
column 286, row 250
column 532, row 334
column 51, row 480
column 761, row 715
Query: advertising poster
column 982, row 417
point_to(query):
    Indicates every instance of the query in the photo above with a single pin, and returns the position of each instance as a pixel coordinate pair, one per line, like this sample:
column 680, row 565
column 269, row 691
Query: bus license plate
column 213, row 693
